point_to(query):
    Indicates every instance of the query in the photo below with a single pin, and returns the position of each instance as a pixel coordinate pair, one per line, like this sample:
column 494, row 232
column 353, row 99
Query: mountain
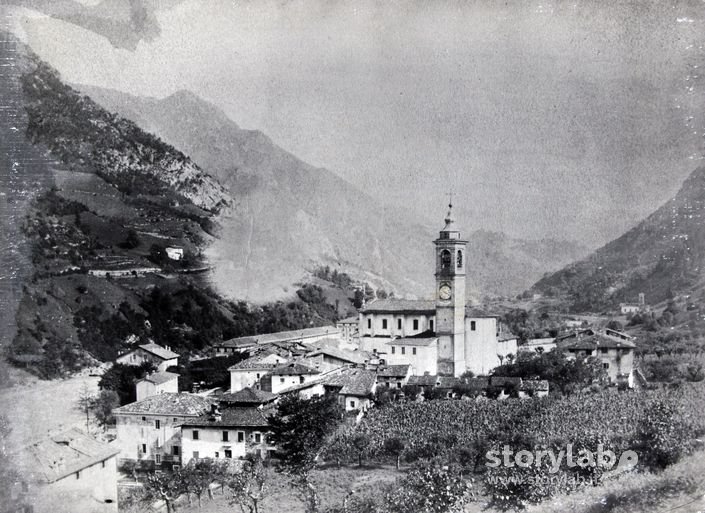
column 290, row 216
column 90, row 206
column 661, row 256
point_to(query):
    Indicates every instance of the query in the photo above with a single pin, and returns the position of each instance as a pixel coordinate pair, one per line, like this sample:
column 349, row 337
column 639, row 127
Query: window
column 217, row 454
column 430, row 323
column 175, row 450
column 226, row 436
column 606, row 365
column 228, row 453
column 403, row 350
column 603, row 350
column 240, row 436
column 195, row 455
column 103, row 464
column 258, row 438
column 281, row 380
column 78, row 475
column 445, row 259
column 352, row 404
column 144, row 448
column 258, row 375
column 393, row 350
column 157, row 424
column 398, row 385
column 194, row 434
column 473, row 325
column 369, row 324
column 176, row 420
column 301, row 379
column 413, row 351
column 144, row 419
column 416, row 324
column 460, row 259
column 398, row 324
column 158, row 459
column 384, row 324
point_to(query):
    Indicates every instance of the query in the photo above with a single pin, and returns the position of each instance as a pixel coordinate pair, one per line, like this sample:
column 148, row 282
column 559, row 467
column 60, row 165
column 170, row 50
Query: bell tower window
column 445, row 259
column 460, row 259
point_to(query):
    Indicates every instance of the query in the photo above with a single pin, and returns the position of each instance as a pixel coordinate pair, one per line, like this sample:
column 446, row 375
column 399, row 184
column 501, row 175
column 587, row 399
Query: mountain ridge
column 661, row 256
column 334, row 223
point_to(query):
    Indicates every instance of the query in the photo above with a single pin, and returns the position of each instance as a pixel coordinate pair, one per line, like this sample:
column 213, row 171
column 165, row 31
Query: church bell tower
column 450, row 298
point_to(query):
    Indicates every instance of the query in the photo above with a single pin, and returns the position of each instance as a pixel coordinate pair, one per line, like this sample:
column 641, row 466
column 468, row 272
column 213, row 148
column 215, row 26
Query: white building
column 157, row 383
column 149, row 431
column 287, row 375
column 466, row 338
column 161, row 357
column 349, row 328
column 248, row 373
column 304, row 336
column 226, row 433
column 420, row 353
column 68, row 472
column 174, row 253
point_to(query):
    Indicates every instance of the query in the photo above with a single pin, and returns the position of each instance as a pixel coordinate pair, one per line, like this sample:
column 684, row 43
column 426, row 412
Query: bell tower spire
column 450, row 297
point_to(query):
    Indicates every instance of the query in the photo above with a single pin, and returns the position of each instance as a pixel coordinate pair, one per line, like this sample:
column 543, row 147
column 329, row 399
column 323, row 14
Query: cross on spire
column 450, row 199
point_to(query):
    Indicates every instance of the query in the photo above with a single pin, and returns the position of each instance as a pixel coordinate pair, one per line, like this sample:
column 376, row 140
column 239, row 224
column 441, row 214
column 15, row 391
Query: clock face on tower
column 445, row 292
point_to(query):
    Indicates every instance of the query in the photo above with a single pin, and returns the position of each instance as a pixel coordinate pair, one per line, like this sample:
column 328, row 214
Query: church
column 444, row 336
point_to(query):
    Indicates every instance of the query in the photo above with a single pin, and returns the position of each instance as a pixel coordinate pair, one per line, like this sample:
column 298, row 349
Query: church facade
column 443, row 336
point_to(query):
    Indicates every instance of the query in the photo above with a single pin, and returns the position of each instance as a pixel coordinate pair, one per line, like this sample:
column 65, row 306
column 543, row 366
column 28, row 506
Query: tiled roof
column 160, row 377
column 340, row 354
column 256, row 363
column 409, row 341
column 393, row 371
column 293, row 369
column 231, row 417
column 358, row 382
column 420, row 306
column 281, row 336
column 591, row 339
column 63, row 454
column 161, row 352
column 432, row 380
column 248, row 395
column 168, row 404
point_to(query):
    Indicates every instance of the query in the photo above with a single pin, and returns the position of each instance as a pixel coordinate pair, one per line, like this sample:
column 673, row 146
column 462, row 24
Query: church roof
column 418, row 306
column 412, row 341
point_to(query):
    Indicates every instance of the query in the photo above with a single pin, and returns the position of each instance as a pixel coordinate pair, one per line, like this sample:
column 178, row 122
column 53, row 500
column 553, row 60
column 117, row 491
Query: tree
column 663, row 436
column 121, row 379
column 247, row 487
column 131, row 241
column 84, row 403
column 614, row 324
column 165, row 486
column 360, row 442
column 394, row 447
column 434, row 488
column 200, row 474
column 300, row 429
column 103, row 406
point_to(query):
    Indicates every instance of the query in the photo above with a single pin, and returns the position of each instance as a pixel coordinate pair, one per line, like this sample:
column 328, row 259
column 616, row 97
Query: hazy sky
column 568, row 119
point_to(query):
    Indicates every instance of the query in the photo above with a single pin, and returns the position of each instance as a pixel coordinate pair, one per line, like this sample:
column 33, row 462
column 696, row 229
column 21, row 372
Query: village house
column 354, row 387
column 287, row 375
column 328, row 358
column 283, row 338
column 174, row 253
column 68, row 472
column 161, row 357
column 462, row 338
column 247, row 398
column 614, row 349
column 349, row 329
column 226, row 433
column 149, row 432
column 538, row 345
column 393, row 376
column 157, row 383
column 248, row 373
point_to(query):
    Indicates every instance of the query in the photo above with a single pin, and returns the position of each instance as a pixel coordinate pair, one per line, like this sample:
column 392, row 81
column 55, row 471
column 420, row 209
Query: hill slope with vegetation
column 102, row 280
column 662, row 256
